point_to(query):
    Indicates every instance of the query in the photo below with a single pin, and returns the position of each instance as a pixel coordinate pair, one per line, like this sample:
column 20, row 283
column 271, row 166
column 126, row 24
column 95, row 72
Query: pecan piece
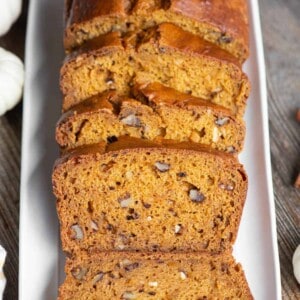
column 162, row 167
column 196, row 195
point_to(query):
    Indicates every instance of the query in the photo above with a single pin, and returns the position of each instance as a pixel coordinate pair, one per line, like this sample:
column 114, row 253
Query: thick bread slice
column 224, row 23
column 161, row 113
column 165, row 54
column 139, row 195
column 163, row 276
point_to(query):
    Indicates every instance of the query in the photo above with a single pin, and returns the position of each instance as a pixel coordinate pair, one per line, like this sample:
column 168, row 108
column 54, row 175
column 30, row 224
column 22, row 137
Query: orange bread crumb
column 139, row 195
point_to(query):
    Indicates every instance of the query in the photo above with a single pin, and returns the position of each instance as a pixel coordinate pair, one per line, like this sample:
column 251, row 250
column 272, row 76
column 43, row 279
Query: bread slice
column 139, row 195
column 161, row 112
column 185, row 276
column 224, row 23
column 165, row 54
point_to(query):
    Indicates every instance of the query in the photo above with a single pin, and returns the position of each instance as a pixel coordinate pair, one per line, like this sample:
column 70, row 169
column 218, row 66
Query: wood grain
column 281, row 29
column 10, row 152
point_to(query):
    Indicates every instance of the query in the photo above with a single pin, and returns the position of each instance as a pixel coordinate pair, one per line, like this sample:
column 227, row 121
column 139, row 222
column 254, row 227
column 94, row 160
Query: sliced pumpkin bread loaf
column 165, row 54
column 161, row 112
column 165, row 276
column 224, row 23
column 139, row 195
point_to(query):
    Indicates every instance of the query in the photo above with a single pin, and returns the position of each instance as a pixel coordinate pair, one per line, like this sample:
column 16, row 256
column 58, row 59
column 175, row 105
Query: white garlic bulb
column 9, row 13
column 11, row 80
column 296, row 263
column 2, row 277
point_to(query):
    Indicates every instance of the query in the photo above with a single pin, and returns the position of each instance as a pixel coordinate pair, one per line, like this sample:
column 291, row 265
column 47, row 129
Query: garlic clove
column 2, row 277
column 296, row 263
column 11, row 80
column 9, row 13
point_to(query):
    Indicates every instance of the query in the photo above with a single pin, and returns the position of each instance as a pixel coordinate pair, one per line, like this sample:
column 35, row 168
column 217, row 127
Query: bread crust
column 157, row 111
column 165, row 38
column 228, row 19
column 126, row 144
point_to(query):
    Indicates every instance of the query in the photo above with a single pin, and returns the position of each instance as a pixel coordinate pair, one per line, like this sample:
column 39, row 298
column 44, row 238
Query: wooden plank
column 10, row 151
column 281, row 28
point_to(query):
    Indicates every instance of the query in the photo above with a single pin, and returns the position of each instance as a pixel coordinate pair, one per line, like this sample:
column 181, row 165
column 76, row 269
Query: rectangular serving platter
column 41, row 260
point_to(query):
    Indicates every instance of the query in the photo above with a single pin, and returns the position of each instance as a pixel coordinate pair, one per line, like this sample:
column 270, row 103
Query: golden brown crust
column 79, row 11
column 153, row 93
column 133, row 54
column 228, row 20
column 82, row 10
column 173, row 37
column 156, row 93
column 229, row 16
column 166, row 36
column 126, row 143
column 102, row 45
column 159, row 112
column 95, row 103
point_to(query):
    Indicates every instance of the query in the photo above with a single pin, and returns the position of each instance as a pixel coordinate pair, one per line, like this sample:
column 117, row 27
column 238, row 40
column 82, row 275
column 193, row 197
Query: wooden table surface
column 281, row 29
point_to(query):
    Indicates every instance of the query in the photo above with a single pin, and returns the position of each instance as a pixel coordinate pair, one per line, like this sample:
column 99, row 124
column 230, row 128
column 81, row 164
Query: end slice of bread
column 224, row 23
column 165, row 276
